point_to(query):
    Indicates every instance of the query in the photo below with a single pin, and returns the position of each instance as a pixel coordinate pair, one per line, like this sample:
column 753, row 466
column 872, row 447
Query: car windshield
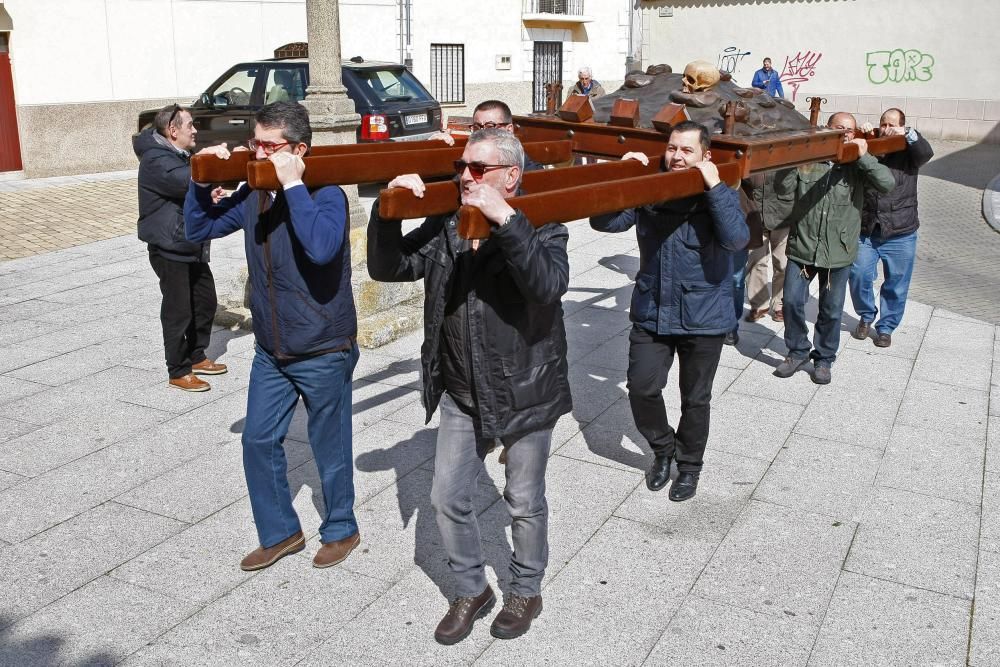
column 393, row 85
column 235, row 91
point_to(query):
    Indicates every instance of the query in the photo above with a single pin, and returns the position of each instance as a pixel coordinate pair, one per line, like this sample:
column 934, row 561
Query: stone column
column 385, row 310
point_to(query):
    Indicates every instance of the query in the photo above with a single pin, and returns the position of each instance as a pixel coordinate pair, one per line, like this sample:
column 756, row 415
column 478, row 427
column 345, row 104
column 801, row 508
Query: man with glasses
column 486, row 116
column 824, row 243
column 494, row 360
column 186, row 282
column 299, row 257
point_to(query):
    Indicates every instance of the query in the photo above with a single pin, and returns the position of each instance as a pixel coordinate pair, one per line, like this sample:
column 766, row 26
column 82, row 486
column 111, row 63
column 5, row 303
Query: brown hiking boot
column 260, row 557
column 190, row 382
column 332, row 553
column 516, row 617
column 463, row 612
column 862, row 330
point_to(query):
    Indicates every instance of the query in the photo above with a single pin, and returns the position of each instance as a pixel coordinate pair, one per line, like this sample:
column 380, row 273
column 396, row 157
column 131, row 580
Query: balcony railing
column 558, row 7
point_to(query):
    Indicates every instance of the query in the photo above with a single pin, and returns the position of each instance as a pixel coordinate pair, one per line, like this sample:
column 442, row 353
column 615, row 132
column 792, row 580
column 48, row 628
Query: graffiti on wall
column 899, row 66
column 730, row 57
column 798, row 69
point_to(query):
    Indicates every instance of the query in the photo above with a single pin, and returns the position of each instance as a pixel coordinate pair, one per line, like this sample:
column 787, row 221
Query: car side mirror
column 205, row 100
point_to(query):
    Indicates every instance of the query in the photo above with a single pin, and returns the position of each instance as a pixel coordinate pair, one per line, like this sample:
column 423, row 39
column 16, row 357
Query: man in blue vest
column 299, row 257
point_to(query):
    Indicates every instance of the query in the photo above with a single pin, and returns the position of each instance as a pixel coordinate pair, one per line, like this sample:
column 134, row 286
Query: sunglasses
column 269, row 147
column 477, row 169
column 488, row 125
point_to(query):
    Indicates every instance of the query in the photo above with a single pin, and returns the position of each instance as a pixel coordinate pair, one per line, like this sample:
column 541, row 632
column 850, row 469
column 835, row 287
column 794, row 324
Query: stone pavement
column 855, row 523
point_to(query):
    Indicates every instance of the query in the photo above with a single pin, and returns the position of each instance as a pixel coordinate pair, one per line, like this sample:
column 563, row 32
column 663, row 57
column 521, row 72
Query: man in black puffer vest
column 186, row 282
column 494, row 359
column 299, row 258
column 889, row 225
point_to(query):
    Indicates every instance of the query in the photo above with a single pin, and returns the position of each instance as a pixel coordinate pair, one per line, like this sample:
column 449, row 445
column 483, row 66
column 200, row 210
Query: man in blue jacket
column 186, row 282
column 768, row 80
column 298, row 252
column 682, row 304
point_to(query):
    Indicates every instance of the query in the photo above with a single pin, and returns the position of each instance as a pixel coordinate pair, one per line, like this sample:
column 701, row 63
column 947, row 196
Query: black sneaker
column 787, row 368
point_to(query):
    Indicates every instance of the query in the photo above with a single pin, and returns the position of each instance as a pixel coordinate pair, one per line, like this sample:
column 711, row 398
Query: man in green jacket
column 824, row 243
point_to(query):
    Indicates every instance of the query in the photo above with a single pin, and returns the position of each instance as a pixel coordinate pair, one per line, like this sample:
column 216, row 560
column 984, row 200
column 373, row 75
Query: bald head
column 843, row 121
column 893, row 118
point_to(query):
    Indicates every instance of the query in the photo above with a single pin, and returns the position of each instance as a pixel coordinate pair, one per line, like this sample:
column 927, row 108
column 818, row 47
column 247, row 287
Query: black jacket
column 164, row 176
column 896, row 212
column 518, row 342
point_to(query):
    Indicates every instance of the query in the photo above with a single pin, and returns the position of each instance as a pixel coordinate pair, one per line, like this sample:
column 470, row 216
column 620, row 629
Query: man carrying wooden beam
column 494, row 359
column 299, row 258
column 489, row 114
column 682, row 304
column 824, row 243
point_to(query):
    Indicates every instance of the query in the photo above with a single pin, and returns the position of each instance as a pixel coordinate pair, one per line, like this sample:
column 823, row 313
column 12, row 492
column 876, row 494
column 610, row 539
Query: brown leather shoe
column 260, row 557
column 778, row 315
column 190, row 382
column 208, row 367
column 883, row 340
column 862, row 330
column 516, row 617
column 332, row 553
column 463, row 612
column 756, row 314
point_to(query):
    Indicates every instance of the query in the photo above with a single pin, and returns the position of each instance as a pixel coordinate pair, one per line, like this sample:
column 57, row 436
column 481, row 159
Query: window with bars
column 448, row 73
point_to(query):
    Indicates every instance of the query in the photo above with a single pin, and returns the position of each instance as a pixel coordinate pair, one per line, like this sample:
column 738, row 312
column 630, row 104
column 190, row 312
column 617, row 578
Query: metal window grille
column 569, row 7
column 448, row 73
column 547, row 69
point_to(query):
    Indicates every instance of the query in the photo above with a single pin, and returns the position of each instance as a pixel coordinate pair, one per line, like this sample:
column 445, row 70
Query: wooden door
column 10, row 145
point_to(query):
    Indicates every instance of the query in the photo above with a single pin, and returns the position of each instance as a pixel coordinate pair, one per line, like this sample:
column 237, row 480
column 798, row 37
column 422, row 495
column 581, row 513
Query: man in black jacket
column 889, row 225
column 186, row 282
column 494, row 358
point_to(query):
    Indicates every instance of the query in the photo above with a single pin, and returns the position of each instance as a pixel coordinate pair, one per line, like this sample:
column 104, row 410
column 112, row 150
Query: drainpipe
column 408, row 61
column 634, row 45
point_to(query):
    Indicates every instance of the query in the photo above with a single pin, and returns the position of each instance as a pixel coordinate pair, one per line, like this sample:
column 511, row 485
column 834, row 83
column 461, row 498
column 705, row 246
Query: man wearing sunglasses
column 186, row 282
column 298, row 252
column 682, row 305
column 488, row 115
column 494, row 361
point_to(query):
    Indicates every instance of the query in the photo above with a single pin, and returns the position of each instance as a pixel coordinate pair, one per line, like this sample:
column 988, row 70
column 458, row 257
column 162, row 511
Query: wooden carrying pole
column 442, row 198
column 583, row 201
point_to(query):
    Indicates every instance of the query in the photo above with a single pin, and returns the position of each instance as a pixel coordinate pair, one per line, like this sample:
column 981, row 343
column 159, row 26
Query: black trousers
column 186, row 312
column 649, row 360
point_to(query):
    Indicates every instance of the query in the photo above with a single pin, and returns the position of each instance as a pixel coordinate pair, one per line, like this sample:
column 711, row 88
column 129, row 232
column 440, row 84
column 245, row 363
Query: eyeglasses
column 268, row 147
column 488, row 125
column 477, row 169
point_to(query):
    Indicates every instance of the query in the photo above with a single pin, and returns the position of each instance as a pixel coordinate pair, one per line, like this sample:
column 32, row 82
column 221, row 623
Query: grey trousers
column 457, row 466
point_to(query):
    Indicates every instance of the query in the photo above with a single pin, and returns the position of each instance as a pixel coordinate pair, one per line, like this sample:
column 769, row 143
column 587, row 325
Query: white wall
column 838, row 37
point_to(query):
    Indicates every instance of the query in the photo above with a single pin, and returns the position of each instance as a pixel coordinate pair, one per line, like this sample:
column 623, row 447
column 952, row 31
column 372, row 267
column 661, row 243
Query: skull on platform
column 700, row 75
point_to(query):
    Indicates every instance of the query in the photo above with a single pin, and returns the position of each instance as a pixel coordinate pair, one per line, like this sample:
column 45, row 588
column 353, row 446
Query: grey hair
column 509, row 146
column 586, row 70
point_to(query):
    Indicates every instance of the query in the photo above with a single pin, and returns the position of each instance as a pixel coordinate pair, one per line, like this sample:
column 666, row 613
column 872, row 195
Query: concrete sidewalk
column 849, row 524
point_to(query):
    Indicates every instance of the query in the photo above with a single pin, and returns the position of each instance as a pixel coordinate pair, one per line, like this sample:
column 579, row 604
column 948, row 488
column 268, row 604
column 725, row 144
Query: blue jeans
column 324, row 383
column 897, row 255
column 832, row 292
column 458, row 462
column 739, row 282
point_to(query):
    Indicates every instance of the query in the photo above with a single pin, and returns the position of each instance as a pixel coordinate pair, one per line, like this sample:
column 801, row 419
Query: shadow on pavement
column 974, row 166
column 44, row 650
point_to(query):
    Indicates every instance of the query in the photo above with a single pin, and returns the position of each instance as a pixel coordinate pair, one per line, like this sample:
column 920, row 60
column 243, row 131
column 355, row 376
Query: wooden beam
column 596, row 199
column 442, row 198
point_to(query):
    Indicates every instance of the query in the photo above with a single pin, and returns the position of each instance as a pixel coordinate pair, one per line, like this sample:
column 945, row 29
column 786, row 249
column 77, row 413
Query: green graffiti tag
column 899, row 66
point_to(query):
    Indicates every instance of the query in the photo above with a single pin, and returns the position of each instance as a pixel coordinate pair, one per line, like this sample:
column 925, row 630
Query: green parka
column 827, row 210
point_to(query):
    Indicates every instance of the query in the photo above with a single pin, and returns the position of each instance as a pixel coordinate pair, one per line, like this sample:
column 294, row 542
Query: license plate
column 416, row 119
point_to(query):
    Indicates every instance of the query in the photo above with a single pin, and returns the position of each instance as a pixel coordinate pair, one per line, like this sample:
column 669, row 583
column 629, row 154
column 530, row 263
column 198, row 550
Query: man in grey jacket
column 186, row 282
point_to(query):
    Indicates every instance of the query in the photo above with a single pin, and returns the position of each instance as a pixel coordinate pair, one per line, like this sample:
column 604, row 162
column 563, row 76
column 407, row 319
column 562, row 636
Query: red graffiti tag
column 799, row 69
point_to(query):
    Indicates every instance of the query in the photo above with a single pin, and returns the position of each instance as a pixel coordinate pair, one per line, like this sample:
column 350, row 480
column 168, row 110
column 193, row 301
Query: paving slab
column 11, row 429
column 51, row 446
column 13, row 357
column 993, row 444
column 643, row 583
column 820, row 476
column 918, row 540
column 58, row 561
column 9, row 479
column 933, row 463
column 989, row 530
column 942, row 407
column 875, row 622
column 281, row 614
column 704, row 632
column 953, row 352
column 63, row 368
column 758, row 380
column 778, row 561
column 726, row 483
column 984, row 647
column 100, row 623
column 751, row 426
